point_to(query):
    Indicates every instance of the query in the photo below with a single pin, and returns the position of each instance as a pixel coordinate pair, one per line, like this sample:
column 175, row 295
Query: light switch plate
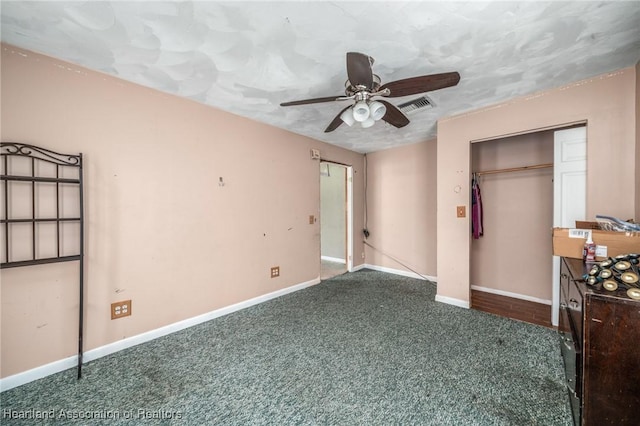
column 461, row 211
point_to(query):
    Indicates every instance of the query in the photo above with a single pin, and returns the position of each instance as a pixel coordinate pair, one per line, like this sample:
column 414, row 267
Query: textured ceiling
column 248, row 57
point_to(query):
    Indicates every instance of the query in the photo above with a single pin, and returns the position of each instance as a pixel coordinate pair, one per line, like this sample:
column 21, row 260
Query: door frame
column 348, row 211
column 557, row 210
column 349, row 207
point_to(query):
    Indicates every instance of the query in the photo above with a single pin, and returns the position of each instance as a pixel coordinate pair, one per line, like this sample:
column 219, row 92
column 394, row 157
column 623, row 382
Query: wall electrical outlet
column 120, row 309
column 275, row 272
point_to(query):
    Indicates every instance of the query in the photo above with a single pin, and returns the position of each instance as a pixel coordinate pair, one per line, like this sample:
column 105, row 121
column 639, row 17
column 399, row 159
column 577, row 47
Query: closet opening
column 336, row 252
column 510, row 270
column 511, row 259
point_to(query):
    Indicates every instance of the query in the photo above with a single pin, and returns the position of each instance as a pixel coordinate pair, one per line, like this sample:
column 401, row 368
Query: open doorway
column 335, row 223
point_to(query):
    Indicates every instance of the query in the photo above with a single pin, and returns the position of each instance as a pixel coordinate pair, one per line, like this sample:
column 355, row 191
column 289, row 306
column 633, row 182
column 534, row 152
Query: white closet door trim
column 569, row 192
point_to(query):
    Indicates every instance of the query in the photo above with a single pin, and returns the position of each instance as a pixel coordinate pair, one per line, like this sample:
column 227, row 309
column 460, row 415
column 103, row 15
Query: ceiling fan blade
column 425, row 83
column 359, row 70
column 336, row 121
column 312, row 101
column 394, row 116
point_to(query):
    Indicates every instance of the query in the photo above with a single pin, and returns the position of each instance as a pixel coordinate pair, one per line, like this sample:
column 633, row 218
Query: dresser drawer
column 574, row 304
column 571, row 356
column 572, row 359
column 565, row 279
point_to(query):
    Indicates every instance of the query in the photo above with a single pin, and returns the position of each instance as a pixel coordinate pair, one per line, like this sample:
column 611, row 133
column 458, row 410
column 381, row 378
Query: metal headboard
column 33, row 161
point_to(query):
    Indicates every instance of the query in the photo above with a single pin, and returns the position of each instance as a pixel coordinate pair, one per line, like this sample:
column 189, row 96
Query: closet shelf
column 514, row 169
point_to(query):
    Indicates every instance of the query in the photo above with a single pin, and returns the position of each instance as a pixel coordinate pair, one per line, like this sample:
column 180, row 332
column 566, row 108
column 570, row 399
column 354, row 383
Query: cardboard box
column 569, row 242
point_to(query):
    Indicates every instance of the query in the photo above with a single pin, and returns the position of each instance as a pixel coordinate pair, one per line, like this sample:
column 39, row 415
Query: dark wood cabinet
column 600, row 343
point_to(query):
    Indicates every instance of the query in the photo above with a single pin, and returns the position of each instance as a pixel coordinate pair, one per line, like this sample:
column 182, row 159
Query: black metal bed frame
column 60, row 161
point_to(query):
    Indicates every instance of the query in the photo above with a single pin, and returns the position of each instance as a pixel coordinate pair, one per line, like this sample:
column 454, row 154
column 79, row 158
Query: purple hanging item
column 476, row 209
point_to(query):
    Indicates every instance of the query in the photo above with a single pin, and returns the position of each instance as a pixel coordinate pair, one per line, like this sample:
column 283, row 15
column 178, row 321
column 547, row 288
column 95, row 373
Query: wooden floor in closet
column 518, row 309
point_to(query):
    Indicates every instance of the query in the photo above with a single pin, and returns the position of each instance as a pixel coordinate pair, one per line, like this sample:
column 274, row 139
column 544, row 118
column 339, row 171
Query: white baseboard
column 452, row 301
column 93, row 354
column 37, row 373
column 400, row 272
column 510, row 294
column 358, row 267
column 334, row 259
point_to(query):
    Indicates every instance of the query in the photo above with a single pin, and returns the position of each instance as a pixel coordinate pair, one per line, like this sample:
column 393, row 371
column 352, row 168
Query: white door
column 569, row 192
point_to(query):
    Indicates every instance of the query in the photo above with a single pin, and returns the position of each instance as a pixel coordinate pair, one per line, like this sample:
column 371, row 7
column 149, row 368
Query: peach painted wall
column 160, row 230
column 518, row 214
column 606, row 102
column 401, row 195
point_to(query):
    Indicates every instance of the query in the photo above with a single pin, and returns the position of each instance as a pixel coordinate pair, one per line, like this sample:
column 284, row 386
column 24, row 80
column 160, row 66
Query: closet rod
column 515, row 169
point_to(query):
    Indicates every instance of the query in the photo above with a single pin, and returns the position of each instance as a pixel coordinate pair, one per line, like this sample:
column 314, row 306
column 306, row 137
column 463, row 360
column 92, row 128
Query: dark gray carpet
column 361, row 348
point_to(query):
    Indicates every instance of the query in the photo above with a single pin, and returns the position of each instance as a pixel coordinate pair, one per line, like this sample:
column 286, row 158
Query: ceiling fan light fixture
column 347, row 117
column 362, row 86
column 361, row 111
column 377, row 110
column 368, row 122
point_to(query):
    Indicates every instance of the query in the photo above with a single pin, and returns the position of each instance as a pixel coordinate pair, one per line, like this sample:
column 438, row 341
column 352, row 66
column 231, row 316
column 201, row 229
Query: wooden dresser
column 600, row 342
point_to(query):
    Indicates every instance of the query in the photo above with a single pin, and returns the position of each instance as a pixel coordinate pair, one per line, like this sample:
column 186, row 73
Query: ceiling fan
column 363, row 85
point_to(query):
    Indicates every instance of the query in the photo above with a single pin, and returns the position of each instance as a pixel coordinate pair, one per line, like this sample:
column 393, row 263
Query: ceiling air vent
column 421, row 102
